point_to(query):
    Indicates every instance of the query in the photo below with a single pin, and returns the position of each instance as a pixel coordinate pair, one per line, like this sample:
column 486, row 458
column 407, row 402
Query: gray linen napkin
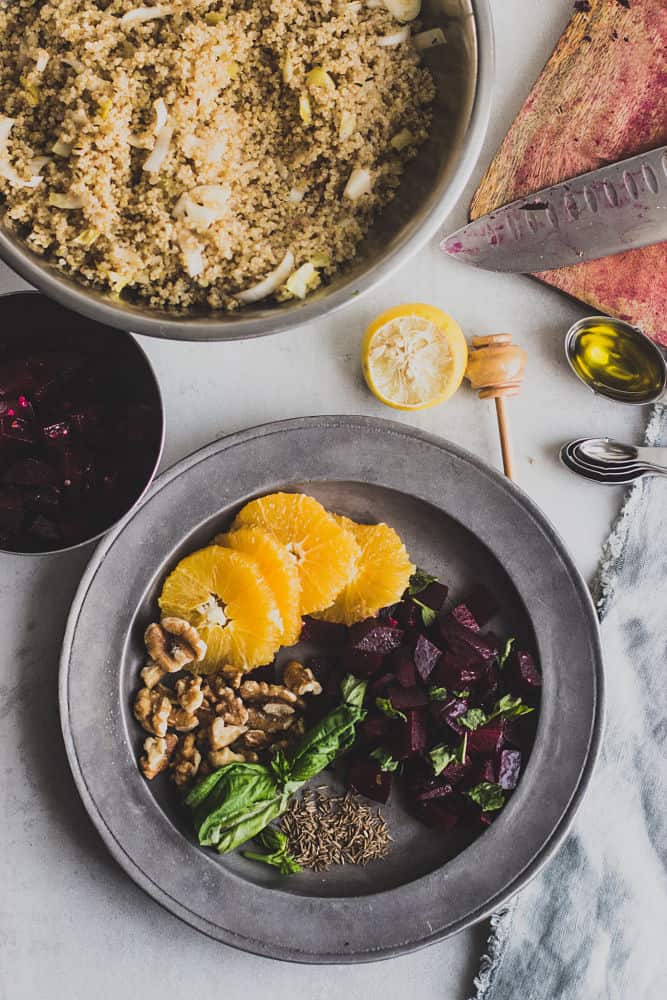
column 592, row 925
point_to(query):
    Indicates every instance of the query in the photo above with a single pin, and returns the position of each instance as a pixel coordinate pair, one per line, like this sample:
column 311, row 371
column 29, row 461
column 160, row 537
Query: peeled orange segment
column 414, row 356
column 383, row 572
column 279, row 570
column 325, row 552
column 224, row 595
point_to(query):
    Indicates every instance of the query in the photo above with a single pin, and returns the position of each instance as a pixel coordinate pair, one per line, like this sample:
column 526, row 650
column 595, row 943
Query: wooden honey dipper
column 495, row 369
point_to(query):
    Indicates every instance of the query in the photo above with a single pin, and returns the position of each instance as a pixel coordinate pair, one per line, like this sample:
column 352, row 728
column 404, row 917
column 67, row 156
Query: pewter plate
column 460, row 520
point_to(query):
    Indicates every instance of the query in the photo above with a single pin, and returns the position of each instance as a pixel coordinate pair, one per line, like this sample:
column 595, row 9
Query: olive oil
column 616, row 360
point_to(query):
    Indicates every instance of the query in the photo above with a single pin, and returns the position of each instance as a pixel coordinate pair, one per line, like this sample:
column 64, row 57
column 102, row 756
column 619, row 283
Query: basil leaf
column 510, row 708
column 487, row 795
column 437, row 694
column 353, row 690
column 441, row 757
column 386, row 706
column 419, row 581
column 473, row 718
column 461, row 694
column 385, row 760
column 428, row 614
column 504, row 656
column 276, row 843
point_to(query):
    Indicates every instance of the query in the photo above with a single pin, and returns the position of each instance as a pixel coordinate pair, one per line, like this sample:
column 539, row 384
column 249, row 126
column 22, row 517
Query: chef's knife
column 617, row 207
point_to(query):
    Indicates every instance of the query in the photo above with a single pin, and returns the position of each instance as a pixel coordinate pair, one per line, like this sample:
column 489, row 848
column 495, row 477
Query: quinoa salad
column 206, row 153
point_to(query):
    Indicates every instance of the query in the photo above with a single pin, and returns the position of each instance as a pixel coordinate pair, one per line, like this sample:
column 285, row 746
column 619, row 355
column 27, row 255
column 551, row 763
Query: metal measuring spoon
column 615, row 453
column 606, row 476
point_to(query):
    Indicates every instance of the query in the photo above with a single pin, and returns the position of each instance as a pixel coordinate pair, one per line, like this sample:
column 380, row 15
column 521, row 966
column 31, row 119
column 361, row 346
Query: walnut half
column 301, row 680
column 157, row 751
column 152, row 709
column 173, row 644
column 186, row 761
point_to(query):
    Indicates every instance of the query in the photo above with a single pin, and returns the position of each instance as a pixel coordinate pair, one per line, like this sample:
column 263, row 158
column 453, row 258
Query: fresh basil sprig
column 507, row 649
column 420, row 581
column 429, row 616
column 442, row 756
column 236, row 802
column 276, row 844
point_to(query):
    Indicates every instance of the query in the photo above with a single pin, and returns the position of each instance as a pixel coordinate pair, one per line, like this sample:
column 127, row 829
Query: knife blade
column 617, row 207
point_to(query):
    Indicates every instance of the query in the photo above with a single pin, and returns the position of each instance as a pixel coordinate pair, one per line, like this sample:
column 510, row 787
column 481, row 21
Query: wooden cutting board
column 601, row 97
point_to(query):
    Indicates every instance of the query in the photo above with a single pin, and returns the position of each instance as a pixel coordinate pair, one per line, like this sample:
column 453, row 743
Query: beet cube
column 57, row 433
column 426, row 655
column 408, row 614
column 464, row 615
column 363, row 664
column 437, row 815
column 379, row 684
column 374, row 728
column 509, row 768
column 16, row 431
column 374, row 636
column 45, row 529
column 404, row 667
column 456, row 671
column 409, row 737
column 447, row 713
column 437, row 790
column 30, row 472
column 323, row 633
column 488, row 738
column 433, row 596
column 459, row 638
column 525, row 671
column 366, row 776
column 403, row 698
column 454, row 774
column 484, row 769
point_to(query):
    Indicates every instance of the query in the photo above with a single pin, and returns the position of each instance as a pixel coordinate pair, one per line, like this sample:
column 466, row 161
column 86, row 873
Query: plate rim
column 543, row 854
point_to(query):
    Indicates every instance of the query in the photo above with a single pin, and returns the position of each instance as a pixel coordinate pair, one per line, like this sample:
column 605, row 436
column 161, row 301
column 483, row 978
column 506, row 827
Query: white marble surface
column 71, row 921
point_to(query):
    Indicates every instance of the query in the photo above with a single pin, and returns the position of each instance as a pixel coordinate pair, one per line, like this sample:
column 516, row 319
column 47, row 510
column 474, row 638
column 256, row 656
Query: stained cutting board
column 601, row 97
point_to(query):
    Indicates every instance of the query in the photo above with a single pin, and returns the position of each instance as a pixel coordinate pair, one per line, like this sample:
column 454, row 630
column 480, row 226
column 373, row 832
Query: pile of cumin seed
column 324, row 830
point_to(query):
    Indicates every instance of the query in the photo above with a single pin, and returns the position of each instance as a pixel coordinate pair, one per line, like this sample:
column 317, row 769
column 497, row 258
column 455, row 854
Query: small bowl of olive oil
column 616, row 360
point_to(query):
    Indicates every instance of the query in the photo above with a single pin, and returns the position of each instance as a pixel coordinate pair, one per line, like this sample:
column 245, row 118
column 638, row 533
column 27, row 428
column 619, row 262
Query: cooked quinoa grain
column 196, row 146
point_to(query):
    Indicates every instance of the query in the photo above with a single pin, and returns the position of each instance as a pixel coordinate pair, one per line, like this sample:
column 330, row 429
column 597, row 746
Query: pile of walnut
column 203, row 722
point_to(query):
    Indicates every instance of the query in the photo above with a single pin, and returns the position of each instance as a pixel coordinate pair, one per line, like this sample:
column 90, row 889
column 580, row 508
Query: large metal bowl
column 463, row 71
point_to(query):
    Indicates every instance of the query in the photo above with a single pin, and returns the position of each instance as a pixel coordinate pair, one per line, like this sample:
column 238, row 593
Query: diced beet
column 380, row 683
column 426, row 655
column 363, row 664
column 448, row 712
column 433, row 596
column 482, row 604
column 366, row 776
column 323, row 633
column 464, row 615
column 459, row 638
column 417, row 774
column 509, row 768
column 45, row 529
column 487, row 738
column 11, row 510
column 438, row 790
column 484, row 769
column 57, row 433
column 407, row 613
column 437, row 815
column 403, row 698
column 525, row 671
column 16, row 431
column 374, row 636
column 456, row 671
column 18, row 407
column 43, row 500
column 455, row 773
column 30, row 472
column 374, row 728
column 403, row 665
column 487, row 818
column 410, row 737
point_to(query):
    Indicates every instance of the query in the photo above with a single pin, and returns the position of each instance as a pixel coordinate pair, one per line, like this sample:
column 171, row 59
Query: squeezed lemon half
column 414, row 356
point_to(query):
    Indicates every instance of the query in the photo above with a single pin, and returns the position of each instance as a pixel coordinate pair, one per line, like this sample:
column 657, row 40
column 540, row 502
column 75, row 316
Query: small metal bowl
column 33, row 324
column 652, row 353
